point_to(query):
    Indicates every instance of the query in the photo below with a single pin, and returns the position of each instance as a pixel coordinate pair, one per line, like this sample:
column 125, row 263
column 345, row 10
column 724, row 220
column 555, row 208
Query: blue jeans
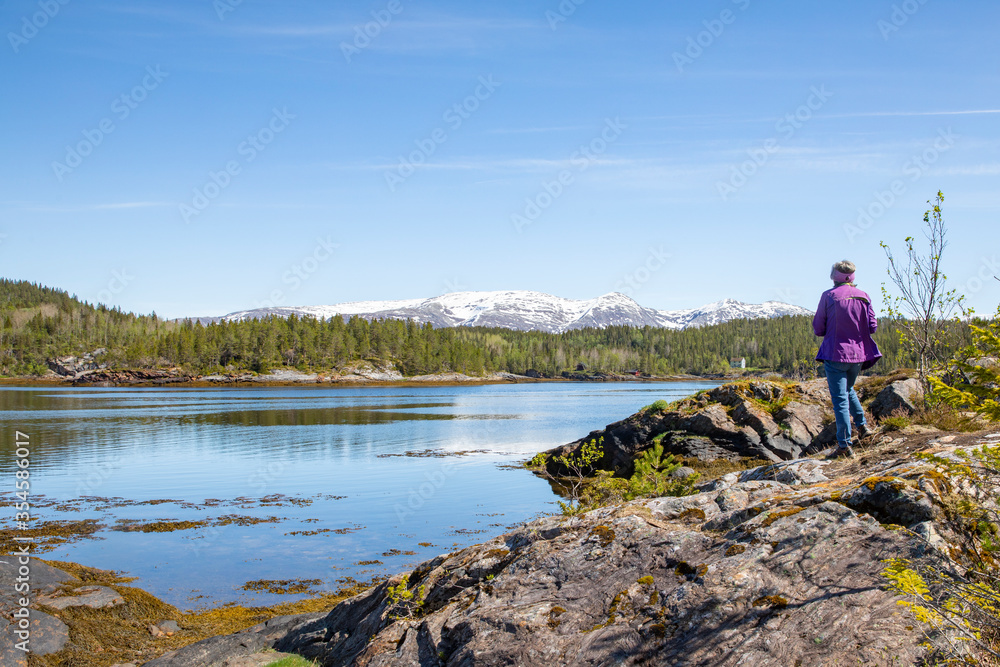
column 840, row 377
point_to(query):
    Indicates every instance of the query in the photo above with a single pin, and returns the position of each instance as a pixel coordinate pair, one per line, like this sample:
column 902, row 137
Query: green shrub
column 292, row 661
column 403, row 602
column 896, row 423
column 580, row 464
column 942, row 416
column 538, row 461
column 655, row 406
column 978, row 370
column 959, row 603
column 652, row 479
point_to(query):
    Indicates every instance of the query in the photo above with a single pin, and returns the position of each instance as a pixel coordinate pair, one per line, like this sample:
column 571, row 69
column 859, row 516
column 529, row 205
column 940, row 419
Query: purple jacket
column 846, row 320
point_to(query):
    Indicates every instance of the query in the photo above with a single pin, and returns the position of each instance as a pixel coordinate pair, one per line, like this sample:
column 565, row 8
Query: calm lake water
column 340, row 476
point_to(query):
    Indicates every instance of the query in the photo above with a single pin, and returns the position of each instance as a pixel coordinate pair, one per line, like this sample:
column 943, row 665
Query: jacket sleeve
column 819, row 319
column 872, row 319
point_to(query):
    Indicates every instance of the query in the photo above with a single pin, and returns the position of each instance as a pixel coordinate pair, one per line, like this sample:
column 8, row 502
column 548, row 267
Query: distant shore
column 285, row 378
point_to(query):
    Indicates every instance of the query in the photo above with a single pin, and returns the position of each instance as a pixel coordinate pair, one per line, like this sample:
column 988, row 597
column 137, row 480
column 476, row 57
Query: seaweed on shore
column 48, row 535
column 119, row 635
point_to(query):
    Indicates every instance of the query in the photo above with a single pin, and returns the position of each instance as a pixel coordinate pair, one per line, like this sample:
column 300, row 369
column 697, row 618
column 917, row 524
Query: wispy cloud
column 973, row 170
column 477, row 164
column 538, row 130
column 96, row 207
column 450, row 25
column 874, row 114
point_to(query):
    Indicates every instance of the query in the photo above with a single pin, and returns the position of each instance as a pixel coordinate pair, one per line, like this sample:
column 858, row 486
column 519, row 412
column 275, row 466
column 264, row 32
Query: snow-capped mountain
column 730, row 309
column 526, row 311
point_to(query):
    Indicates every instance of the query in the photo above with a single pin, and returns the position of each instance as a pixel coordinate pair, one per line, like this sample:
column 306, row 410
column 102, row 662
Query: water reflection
column 341, row 449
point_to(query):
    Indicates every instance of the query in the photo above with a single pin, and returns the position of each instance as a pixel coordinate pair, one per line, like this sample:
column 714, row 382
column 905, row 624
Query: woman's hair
column 843, row 266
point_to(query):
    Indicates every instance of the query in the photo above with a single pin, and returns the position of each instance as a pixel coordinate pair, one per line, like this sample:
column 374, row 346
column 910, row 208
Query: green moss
column 645, row 581
column 735, row 549
column 894, row 483
column 692, row 514
column 775, row 515
column 604, row 535
column 293, row 661
column 554, row 615
column 616, row 605
column 773, row 601
column 685, row 569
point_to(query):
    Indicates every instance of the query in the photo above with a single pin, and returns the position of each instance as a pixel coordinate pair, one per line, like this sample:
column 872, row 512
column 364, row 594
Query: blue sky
column 200, row 157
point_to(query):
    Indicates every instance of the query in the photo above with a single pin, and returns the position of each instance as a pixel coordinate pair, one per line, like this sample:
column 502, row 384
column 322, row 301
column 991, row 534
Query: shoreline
column 482, row 579
column 198, row 383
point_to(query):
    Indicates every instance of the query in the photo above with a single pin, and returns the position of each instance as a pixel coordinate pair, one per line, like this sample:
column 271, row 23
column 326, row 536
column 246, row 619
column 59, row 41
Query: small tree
column 924, row 304
column 956, row 594
column 403, row 602
column 580, row 465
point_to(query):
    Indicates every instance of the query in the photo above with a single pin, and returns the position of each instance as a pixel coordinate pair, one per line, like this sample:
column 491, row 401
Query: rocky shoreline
column 355, row 376
column 777, row 564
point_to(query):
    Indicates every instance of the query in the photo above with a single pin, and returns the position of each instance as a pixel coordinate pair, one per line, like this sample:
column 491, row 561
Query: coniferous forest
column 39, row 323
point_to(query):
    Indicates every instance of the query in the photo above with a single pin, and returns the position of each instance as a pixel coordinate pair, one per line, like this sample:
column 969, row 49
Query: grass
column 292, row 661
column 895, row 423
column 946, row 418
column 656, row 406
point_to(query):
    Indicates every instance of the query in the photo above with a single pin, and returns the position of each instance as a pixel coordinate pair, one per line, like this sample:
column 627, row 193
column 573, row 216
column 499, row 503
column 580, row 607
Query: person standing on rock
column 846, row 320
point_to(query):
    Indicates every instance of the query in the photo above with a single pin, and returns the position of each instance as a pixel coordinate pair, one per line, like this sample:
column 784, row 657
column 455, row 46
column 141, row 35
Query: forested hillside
column 39, row 323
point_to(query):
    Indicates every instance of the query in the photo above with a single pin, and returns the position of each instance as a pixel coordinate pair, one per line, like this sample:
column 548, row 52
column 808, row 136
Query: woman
column 846, row 320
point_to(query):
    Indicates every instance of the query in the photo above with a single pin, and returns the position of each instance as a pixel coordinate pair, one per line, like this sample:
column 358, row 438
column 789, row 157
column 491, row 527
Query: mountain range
column 526, row 311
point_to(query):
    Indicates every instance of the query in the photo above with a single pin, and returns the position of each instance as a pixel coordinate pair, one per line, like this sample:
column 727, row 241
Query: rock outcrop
column 72, row 367
column 758, row 419
column 48, row 634
column 777, row 565
column 900, row 397
column 115, row 378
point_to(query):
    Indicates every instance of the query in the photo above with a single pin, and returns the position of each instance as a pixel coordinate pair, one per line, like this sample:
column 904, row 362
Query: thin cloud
column 99, row 207
column 346, row 30
column 973, row 170
column 518, row 164
column 875, row 114
column 538, row 130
